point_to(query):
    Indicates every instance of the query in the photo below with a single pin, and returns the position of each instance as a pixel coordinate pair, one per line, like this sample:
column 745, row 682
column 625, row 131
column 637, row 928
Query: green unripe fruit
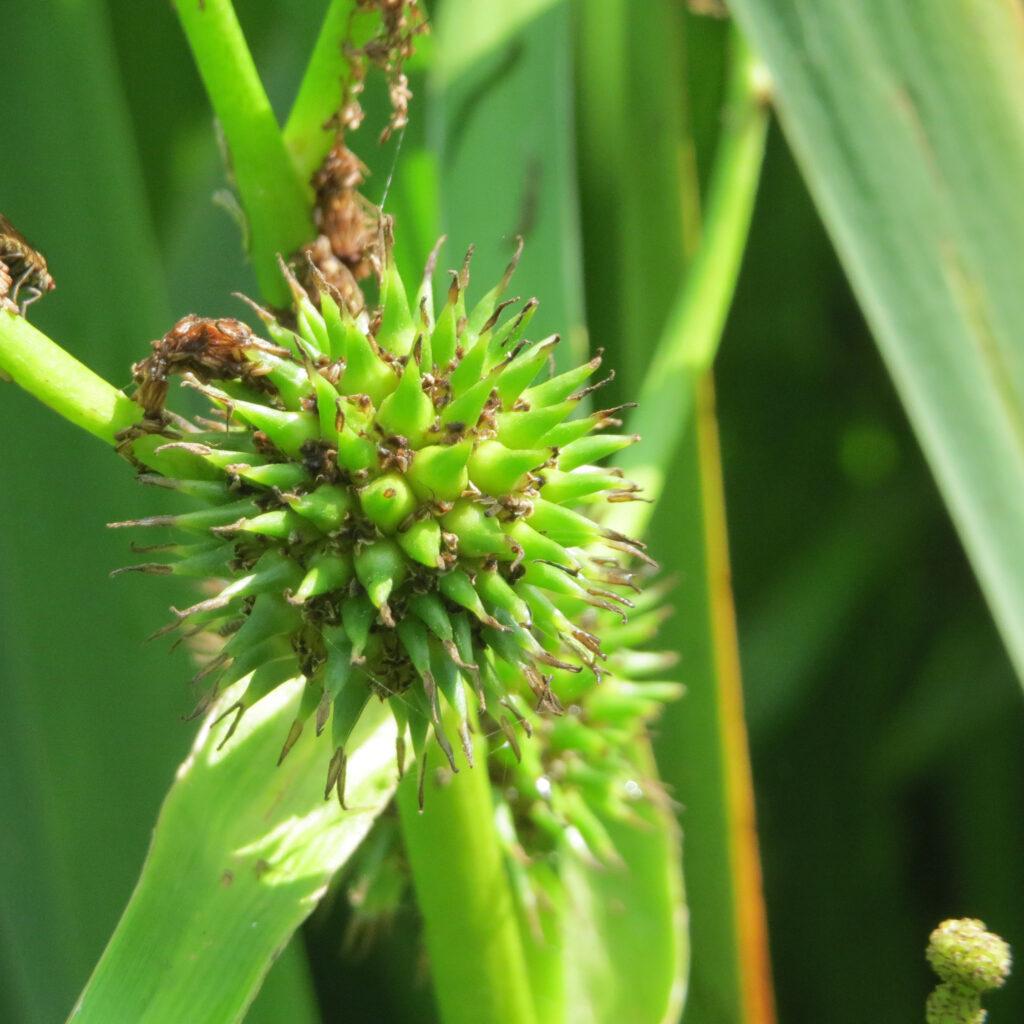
column 387, row 501
column 380, row 567
column 391, row 508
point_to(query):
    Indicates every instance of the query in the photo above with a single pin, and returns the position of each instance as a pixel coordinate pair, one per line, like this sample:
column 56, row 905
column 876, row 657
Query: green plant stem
column 308, row 132
column 471, row 929
column 46, row 371
column 60, row 381
column 273, row 194
column 694, row 327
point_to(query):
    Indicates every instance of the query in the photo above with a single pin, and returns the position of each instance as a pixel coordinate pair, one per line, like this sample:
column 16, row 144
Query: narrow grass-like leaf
column 241, row 855
column 907, row 122
column 703, row 750
column 273, row 194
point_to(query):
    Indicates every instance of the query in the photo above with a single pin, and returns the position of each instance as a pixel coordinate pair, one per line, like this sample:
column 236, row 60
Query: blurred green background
column 885, row 723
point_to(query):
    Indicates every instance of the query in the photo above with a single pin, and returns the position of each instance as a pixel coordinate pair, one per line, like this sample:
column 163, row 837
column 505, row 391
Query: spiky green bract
column 402, row 512
column 556, row 795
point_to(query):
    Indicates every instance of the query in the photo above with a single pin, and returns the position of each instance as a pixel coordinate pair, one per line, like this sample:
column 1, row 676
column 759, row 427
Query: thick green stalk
column 308, row 132
column 273, row 194
column 461, row 889
column 54, row 376
column 60, row 381
column 693, row 330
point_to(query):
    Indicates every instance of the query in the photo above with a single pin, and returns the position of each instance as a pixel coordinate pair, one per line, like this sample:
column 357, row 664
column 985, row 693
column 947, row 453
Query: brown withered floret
column 347, row 222
column 23, row 270
column 208, row 348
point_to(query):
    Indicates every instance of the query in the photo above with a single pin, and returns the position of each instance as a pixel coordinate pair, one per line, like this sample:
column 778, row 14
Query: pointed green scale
column 413, row 634
column 357, row 618
column 525, row 429
column 561, row 488
column 496, row 591
column 547, row 577
column 219, row 458
column 387, row 501
column 326, row 508
column 425, row 353
column 422, row 542
column 287, row 376
column 282, row 475
column 397, row 327
column 430, row 609
column 199, row 521
column 289, row 431
column 559, row 388
column 470, row 368
column 204, row 563
column 467, row 408
column 588, row 450
column 326, row 571
column 444, row 338
column 334, row 322
column 458, row 588
column 537, row 545
column 308, row 702
column 312, row 328
column 380, row 567
column 270, row 616
column 366, row 373
column 563, row 525
column 356, row 452
column 279, row 523
column 407, row 411
column 479, row 534
column 451, row 684
column 508, row 335
column 416, row 642
column 498, row 470
column 438, row 472
column 273, row 571
column 268, row 672
column 520, row 373
column 351, row 695
column 326, row 406
column 211, row 491
column 548, row 618
column 573, row 430
column 463, row 633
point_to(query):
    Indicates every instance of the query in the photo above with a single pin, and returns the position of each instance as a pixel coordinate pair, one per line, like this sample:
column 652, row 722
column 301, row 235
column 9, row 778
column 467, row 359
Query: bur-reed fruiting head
column 397, row 504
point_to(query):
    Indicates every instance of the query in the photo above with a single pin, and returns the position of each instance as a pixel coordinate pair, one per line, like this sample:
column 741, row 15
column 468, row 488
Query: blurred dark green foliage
column 885, row 722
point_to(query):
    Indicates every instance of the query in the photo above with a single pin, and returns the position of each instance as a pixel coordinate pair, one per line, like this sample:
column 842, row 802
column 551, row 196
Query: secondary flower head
column 394, row 506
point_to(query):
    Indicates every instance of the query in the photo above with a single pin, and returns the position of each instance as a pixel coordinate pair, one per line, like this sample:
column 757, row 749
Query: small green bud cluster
column 394, row 506
column 969, row 961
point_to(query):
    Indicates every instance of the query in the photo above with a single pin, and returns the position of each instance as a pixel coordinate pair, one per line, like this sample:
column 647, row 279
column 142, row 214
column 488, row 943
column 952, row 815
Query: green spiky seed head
column 970, row 960
column 961, row 950
column 395, row 504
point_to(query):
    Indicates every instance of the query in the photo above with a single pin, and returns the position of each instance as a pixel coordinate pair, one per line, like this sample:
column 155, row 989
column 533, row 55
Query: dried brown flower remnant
column 402, row 20
column 210, row 349
column 23, row 270
column 347, row 222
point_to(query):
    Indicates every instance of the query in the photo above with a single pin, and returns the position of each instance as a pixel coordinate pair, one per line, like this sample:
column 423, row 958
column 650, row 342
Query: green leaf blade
column 908, row 125
column 241, row 854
